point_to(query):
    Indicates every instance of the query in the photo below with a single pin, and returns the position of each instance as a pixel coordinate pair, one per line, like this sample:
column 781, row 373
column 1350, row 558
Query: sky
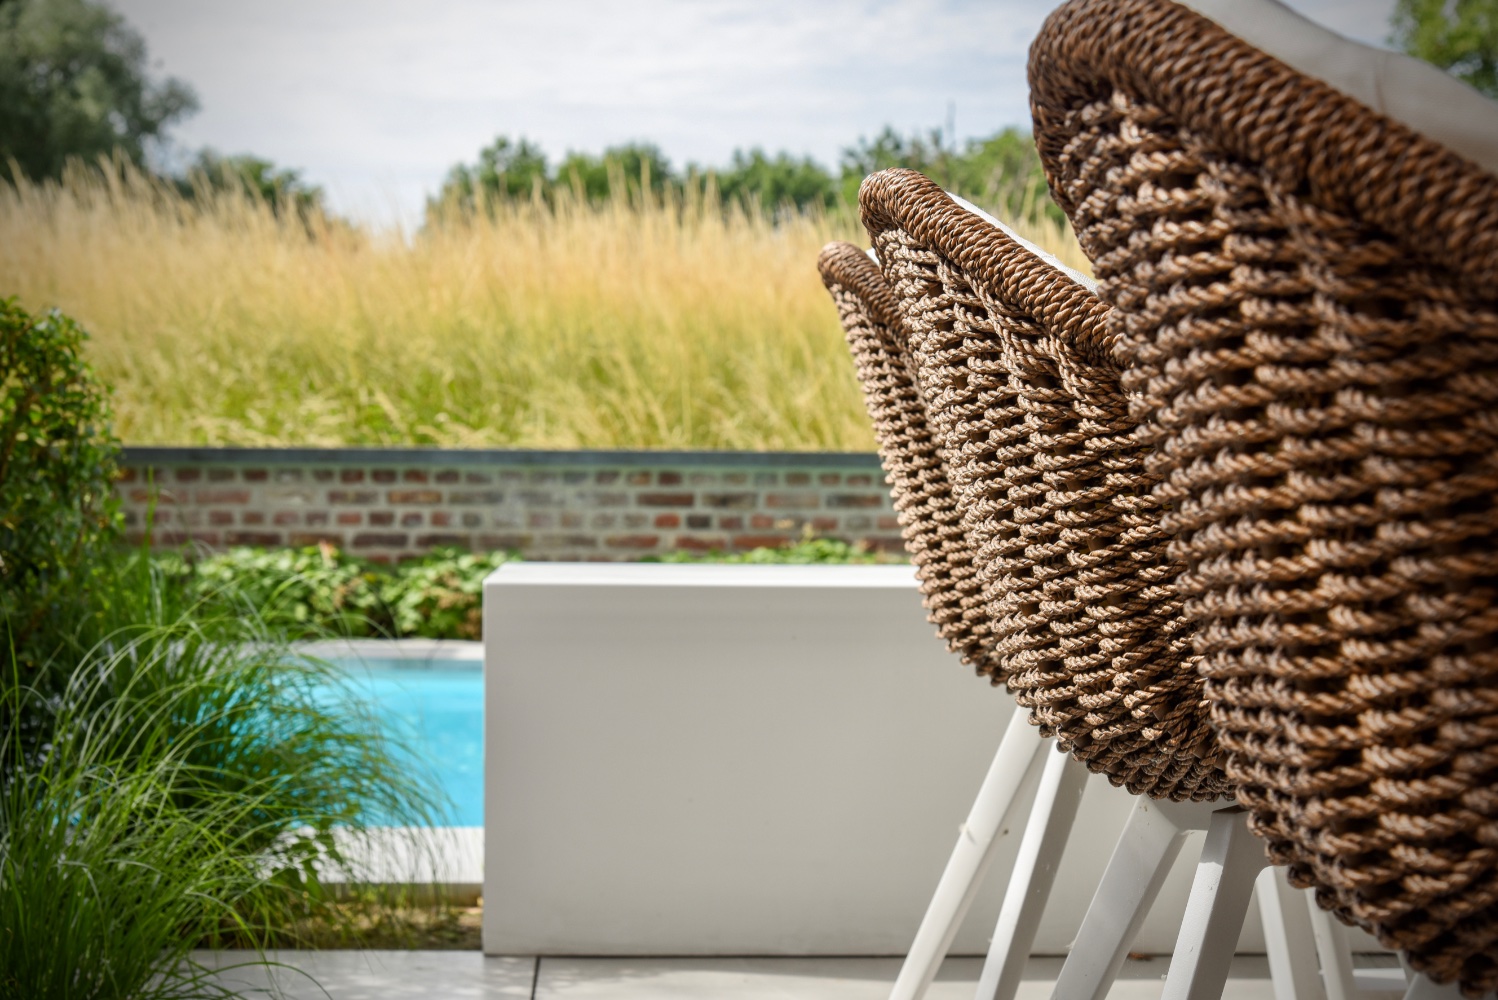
column 375, row 100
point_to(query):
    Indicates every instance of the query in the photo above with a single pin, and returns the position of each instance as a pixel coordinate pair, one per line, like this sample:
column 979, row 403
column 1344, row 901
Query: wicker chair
column 986, row 371
column 1305, row 299
column 930, row 523
column 1013, row 362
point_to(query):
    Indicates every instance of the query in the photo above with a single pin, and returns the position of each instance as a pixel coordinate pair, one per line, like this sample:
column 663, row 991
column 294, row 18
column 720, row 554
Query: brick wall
column 391, row 503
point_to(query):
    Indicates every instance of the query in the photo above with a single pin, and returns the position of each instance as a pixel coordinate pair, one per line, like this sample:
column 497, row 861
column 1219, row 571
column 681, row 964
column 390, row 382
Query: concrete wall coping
column 142, row 455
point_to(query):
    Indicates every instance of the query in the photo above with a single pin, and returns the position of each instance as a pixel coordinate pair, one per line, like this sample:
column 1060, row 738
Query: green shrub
column 440, row 595
column 58, row 511
column 810, row 550
column 301, row 591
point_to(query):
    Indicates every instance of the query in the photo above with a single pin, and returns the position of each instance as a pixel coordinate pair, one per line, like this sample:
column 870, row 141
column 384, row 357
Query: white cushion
column 1438, row 106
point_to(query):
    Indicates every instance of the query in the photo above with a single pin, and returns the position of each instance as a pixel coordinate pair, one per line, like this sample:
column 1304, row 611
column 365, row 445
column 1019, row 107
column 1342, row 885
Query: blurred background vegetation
column 609, row 299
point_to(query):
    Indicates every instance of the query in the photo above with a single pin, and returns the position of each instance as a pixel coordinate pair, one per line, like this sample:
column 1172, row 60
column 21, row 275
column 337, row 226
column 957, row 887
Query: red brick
column 735, row 478
column 315, row 517
column 442, row 519
column 486, row 497
column 667, row 521
column 829, row 479
column 383, row 475
column 357, row 497
column 824, row 523
column 220, row 475
column 159, row 496
column 382, row 518
column 889, row 524
column 801, row 500
column 449, row 476
column 606, row 476
column 252, row 538
column 632, row 541
column 285, row 517
column 414, row 496
column 189, row 475
column 571, row 519
column 732, row 501
column 412, row 519
column 478, row 478
column 219, row 497
column 414, row 476
column 734, row 523
column 699, row 521
column 322, row 475
column 760, row 522
column 855, row 500
column 859, row 480
column 693, row 543
column 252, row 517
column 165, row 517
column 350, row 517
column 219, row 518
column 798, row 479
column 351, row 476
column 126, row 476
column 431, row 541
column 540, row 519
column 638, row 479
column 668, row 479
column 502, row 543
column 664, row 499
column 309, row 538
column 205, row 537
column 255, row 475
column 379, row 540
column 760, row 541
column 472, row 520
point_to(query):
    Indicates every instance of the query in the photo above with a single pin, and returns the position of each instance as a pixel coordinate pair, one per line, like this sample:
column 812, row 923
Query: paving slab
column 374, row 975
column 468, row 975
column 835, row 979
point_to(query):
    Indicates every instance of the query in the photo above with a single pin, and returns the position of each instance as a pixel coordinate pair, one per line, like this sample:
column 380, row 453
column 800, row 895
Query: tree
column 781, row 180
column 73, row 82
column 504, row 169
column 282, row 189
column 598, row 177
column 1460, row 36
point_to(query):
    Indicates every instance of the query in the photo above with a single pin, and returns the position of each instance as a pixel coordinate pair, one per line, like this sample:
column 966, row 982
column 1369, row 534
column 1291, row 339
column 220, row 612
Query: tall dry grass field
column 642, row 324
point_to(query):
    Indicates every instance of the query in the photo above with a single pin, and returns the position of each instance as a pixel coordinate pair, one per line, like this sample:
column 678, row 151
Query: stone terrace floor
column 468, row 975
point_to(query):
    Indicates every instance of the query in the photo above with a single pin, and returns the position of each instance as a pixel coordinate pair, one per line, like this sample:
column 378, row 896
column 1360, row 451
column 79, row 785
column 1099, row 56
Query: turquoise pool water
column 437, row 707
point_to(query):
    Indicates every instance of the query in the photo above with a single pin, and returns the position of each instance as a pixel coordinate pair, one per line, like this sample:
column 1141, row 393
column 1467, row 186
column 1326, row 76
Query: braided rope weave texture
column 1011, row 358
column 1305, row 309
column 929, row 521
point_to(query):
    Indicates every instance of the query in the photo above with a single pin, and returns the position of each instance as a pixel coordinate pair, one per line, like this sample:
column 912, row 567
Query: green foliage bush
column 58, row 511
column 318, row 590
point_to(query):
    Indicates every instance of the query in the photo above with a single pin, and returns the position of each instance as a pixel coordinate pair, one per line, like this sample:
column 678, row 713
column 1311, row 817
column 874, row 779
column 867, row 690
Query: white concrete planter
column 743, row 760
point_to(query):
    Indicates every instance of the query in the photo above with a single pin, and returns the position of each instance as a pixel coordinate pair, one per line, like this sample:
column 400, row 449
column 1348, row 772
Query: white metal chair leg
column 1231, row 860
column 970, row 859
column 1293, row 969
column 1150, row 841
column 1335, row 954
column 1051, row 817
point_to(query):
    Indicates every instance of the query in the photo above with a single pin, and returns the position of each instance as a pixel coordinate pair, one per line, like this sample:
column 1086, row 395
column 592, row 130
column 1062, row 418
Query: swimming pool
column 436, row 707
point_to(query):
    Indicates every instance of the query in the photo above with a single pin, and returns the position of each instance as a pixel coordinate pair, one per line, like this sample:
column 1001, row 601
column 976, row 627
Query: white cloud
column 376, row 98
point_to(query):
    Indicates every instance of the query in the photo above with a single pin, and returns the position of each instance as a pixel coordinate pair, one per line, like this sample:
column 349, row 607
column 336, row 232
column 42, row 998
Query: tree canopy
column 74, row 83
column 1460, row 36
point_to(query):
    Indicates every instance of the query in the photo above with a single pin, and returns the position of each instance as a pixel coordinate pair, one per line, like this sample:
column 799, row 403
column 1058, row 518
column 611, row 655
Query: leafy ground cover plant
column 319, row 590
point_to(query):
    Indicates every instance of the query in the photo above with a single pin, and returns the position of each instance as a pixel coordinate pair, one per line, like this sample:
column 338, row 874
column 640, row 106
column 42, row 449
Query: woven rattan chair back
column 1012, row 360
column 916, row 469
column 1305, row 304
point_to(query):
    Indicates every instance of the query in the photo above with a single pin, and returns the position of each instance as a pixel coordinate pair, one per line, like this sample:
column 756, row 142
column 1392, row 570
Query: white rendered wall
column 744, row 760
